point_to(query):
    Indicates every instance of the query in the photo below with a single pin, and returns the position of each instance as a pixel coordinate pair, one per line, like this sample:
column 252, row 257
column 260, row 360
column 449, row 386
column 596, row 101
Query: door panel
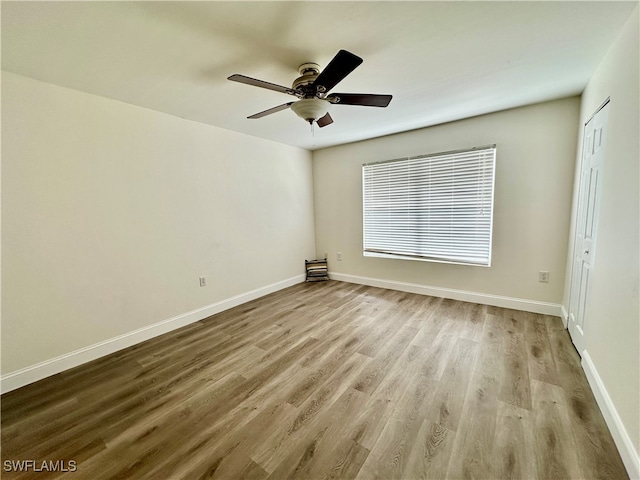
column 591, row 203
column 582, row 296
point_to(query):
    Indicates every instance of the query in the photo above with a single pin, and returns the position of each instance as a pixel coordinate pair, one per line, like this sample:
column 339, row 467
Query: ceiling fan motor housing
column 308, row 74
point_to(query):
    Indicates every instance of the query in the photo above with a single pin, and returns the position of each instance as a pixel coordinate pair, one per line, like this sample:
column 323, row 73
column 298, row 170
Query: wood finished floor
column 325, row 381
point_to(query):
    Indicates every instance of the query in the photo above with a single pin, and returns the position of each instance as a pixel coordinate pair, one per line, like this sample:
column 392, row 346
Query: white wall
column 612, row 322
column 536, row 148
column 111, row 212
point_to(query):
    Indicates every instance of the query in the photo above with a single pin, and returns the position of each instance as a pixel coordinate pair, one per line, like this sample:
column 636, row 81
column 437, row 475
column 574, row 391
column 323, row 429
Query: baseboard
column 630, row 456
column 73, row 359
column 475, row 297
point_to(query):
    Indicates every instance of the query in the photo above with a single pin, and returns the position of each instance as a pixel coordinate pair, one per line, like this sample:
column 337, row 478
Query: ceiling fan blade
column 272, row 110
column 342, row 65
column 262, row 84
column 324, row 121
column 364, row 99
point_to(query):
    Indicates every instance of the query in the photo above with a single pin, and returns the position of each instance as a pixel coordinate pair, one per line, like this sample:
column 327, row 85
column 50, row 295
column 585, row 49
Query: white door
column 586, row 223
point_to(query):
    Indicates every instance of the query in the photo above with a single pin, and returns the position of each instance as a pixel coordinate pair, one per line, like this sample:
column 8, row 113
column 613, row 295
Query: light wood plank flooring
column 325, row 381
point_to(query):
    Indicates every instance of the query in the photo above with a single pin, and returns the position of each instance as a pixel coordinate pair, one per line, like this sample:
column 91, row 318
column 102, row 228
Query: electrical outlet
column 339, row 256
column 543, row 277
column 203, row 281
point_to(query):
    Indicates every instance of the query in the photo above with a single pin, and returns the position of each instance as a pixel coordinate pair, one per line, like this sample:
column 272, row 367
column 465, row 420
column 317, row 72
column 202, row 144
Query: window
column 433, row 207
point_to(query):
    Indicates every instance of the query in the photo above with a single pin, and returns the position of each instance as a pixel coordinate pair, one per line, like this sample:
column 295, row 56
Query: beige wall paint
column 534, row 177
column 612, row 323
column 111, row 212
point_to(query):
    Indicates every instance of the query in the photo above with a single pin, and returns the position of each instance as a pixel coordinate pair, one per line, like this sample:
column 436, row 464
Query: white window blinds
column 432, row 207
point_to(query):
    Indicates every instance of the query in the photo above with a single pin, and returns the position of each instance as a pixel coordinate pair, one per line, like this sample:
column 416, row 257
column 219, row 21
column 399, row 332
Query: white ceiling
column 442, row 61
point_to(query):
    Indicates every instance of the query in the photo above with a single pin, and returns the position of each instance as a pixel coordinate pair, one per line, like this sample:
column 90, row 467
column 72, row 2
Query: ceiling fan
column 312, row 88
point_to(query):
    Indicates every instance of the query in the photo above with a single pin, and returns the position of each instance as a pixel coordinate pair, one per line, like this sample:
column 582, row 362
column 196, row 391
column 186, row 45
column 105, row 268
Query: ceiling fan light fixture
column 311, row 109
